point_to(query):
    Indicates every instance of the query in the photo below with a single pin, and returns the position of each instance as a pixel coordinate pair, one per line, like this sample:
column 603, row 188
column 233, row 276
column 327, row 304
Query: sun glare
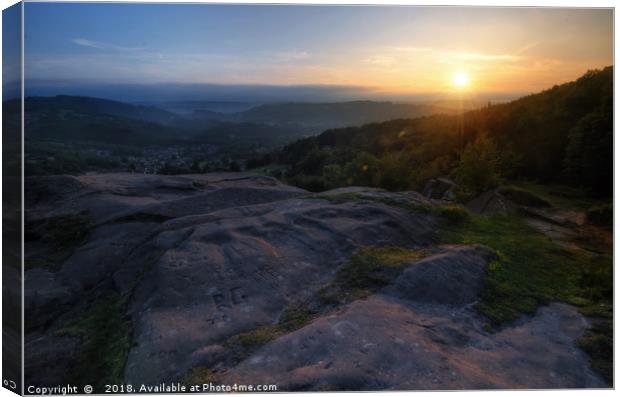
column 460, row 80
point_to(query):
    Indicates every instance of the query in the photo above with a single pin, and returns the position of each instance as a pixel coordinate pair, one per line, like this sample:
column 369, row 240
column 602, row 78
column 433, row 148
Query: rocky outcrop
column 195, row 262
column 386, row 343
column 441, row 189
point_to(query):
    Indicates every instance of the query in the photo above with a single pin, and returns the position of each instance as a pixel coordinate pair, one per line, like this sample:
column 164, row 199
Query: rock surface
column 200, row 259
column 440, row 189
column 386, row 343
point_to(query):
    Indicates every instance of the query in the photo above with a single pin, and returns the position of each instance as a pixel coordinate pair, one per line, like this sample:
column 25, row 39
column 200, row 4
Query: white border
column 479, row 3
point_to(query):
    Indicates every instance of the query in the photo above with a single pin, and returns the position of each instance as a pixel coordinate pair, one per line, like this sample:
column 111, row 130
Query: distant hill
column 564, row 134
column 65, row 117
column 248, row 134
column 75, row 119
column 96, row 106
column 337, row 114
column 317, row 117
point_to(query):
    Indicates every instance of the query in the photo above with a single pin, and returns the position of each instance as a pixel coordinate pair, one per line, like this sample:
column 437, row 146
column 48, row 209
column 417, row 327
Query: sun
column 460, row 79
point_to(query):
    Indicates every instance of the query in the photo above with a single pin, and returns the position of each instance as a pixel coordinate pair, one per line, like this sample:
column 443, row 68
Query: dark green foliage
column 523, row 197
column 538, row 137
column 313, row 183
column 596, row 279
column 478, row 169
column 453, row 213
column 106, row 336
column 589, row 153
column 561, row 196
column 598, row 342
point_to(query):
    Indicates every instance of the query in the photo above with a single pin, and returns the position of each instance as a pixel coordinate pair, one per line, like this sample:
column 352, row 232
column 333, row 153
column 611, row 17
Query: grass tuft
column 523, row 197
column 106, row 341
column 597, row 342
column 368, row 269
column 533, row 271
column 199, row 376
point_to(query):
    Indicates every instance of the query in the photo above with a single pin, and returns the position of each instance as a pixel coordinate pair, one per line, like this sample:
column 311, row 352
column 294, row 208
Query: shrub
column 478, row 167
column 453, row 213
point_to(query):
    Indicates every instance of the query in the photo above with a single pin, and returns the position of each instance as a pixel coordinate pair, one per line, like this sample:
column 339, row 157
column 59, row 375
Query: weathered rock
column 240, row 270
column 452, row 277
column 441, row 189
column 198, row 259
column 491, row 202
column 386, row 343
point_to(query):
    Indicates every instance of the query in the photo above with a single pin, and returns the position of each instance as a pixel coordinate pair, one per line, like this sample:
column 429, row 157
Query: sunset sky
column 388, row 49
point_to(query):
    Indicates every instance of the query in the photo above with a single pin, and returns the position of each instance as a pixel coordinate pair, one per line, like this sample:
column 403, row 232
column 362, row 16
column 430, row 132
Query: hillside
column 95, row 106
column 309, row 117
column 330, row 115
column 563, row 134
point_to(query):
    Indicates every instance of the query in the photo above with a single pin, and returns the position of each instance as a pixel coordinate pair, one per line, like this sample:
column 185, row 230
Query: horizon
column 265, row 53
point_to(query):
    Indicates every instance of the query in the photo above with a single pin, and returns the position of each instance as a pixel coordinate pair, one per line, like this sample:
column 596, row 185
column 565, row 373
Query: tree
column 478, row 167
column 362, row 170
column 333, row 176
column 234, row 166
column 589, row 153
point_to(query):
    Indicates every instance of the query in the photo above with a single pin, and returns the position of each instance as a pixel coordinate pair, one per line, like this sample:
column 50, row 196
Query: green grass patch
column 199, row 376
column 523, row 197
column 531, row 271
column 295, row 316
column 560, row 196
column 454, row 213
column 105, row 333
column 368, row 269
column 597, row 342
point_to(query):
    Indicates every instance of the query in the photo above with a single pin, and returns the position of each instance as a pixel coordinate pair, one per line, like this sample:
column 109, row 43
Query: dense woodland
column 561, row 135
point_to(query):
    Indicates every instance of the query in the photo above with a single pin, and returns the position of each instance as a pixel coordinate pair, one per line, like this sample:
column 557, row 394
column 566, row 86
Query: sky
column 391, row 50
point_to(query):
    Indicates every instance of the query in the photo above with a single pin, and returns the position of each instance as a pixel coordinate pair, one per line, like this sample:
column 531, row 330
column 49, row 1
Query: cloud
column 412, row 49
column 102, row 46
column 288, row 56
column 453, row 56
column 380, row 60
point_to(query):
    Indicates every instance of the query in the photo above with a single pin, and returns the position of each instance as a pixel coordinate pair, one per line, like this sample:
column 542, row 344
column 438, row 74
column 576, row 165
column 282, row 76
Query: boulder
column 440, row 189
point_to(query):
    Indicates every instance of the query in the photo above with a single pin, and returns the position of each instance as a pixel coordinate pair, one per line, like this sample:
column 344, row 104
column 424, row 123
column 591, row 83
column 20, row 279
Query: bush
column 589, row 153
column 454, row 213
column 478, row 167
column 333, row 176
